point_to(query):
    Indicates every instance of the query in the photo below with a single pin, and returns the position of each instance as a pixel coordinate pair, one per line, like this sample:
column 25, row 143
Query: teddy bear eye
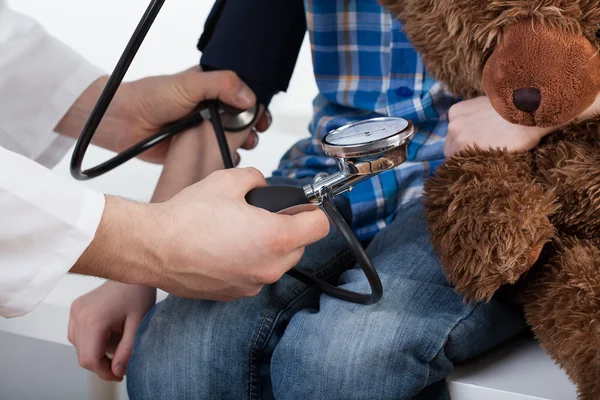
column 598, row 32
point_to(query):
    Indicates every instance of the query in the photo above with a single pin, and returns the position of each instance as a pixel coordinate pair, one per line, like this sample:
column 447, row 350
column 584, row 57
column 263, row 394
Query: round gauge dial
column 367, row 131
column 370, row 136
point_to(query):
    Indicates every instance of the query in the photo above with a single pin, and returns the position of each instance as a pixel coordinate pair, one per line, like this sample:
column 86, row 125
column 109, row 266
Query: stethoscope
column 362, row 149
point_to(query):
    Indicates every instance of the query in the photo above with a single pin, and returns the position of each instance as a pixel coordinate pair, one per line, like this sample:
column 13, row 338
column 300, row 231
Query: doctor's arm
column 47, row 92
column 262, row 49
column 51, row 225
column 105, row 320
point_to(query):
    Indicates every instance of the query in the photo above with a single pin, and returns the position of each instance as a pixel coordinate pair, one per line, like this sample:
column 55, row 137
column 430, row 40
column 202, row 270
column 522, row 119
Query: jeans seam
column 446, row 341
column 307, row 289
column 290, row 297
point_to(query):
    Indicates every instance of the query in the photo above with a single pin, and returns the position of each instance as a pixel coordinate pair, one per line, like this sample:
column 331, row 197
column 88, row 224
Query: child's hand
column 113, row 310
column 476, row 122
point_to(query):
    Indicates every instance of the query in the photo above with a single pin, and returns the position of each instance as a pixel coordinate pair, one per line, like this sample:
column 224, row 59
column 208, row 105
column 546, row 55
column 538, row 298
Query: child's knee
column 175, row 353
column 356, row 362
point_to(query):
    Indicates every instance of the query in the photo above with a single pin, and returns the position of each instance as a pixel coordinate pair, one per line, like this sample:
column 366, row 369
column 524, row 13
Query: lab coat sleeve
column 40, row 78
column 46, row 221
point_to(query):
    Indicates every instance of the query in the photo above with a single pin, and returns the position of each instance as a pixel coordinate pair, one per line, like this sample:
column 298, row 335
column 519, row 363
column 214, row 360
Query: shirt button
column 404, row 91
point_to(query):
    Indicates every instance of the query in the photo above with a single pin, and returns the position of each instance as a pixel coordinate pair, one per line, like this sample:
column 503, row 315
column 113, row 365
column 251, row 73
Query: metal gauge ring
column 366, row 138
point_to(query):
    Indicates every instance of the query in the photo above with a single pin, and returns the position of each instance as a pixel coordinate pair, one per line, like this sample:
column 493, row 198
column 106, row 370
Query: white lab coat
column 46, row 221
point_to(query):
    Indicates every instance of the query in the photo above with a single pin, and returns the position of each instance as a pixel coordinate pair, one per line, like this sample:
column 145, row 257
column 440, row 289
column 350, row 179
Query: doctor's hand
column 205, row 242
column 108, row 316
column 143, row 107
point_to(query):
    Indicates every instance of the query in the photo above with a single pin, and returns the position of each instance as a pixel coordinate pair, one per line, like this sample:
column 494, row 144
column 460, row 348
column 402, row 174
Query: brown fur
column 455, row 37
column 528, row 219
column 474, row 203
column 563, row 305
column 567, row 89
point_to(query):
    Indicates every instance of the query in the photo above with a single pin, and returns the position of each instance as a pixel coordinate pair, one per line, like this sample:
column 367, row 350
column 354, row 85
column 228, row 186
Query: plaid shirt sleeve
column 365, row 67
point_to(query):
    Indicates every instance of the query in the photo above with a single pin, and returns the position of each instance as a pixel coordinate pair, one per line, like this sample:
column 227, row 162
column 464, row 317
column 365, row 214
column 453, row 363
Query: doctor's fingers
column 264, row 122
column 236, row 139
column 196, row 86
column 91, row 353
column 235, row 182
column 251, row 142
column 300, row 230
column 262, row 125
column 273, row 273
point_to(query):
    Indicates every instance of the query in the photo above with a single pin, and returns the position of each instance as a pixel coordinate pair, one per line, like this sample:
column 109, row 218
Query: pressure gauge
column 369, row 137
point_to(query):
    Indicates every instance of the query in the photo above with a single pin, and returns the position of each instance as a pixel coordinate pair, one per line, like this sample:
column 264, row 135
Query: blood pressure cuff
column 258, row 39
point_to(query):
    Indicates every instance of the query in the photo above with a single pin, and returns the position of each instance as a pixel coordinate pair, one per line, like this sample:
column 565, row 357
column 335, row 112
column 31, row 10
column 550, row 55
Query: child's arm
column 476, row 122
column 192, row 156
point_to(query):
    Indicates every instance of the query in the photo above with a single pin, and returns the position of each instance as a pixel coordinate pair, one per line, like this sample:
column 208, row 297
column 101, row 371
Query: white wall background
column 100, row 29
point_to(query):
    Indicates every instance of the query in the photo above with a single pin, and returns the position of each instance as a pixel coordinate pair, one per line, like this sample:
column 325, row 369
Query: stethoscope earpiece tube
column 133, row 151
column 239, row 120
column 105, row 99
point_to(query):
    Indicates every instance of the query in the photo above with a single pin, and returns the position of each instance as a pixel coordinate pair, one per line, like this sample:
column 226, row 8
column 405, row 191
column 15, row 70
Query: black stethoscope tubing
column 360, row 256
column 105, row 99
column 193, row 120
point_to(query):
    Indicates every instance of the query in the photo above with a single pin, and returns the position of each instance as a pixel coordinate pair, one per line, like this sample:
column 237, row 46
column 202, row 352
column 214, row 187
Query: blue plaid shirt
column 365, row 67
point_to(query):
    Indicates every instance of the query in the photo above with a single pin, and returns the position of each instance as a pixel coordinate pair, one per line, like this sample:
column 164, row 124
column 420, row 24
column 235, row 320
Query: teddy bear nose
column 527, row 99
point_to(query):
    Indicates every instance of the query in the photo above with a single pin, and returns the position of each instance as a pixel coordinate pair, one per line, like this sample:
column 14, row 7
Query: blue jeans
column 290, row 342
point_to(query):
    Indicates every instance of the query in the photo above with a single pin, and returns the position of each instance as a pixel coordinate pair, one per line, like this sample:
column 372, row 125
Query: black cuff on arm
column 258, row 39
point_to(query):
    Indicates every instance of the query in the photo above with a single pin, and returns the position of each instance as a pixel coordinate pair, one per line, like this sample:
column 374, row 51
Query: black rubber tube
column 276, row 198
column 220, row 133
column 137, row 149
column 106, row 97
column 359, row 254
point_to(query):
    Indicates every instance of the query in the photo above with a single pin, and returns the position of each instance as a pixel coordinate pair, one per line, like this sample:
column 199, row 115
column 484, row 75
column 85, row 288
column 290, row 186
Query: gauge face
column 366, row 132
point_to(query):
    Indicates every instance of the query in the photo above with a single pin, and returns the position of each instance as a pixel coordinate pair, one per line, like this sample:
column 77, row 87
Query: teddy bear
column 530, row 220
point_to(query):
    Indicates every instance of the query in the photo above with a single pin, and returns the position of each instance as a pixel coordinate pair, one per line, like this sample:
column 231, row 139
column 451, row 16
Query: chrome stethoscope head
column 362, row 149
column 232, row 119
